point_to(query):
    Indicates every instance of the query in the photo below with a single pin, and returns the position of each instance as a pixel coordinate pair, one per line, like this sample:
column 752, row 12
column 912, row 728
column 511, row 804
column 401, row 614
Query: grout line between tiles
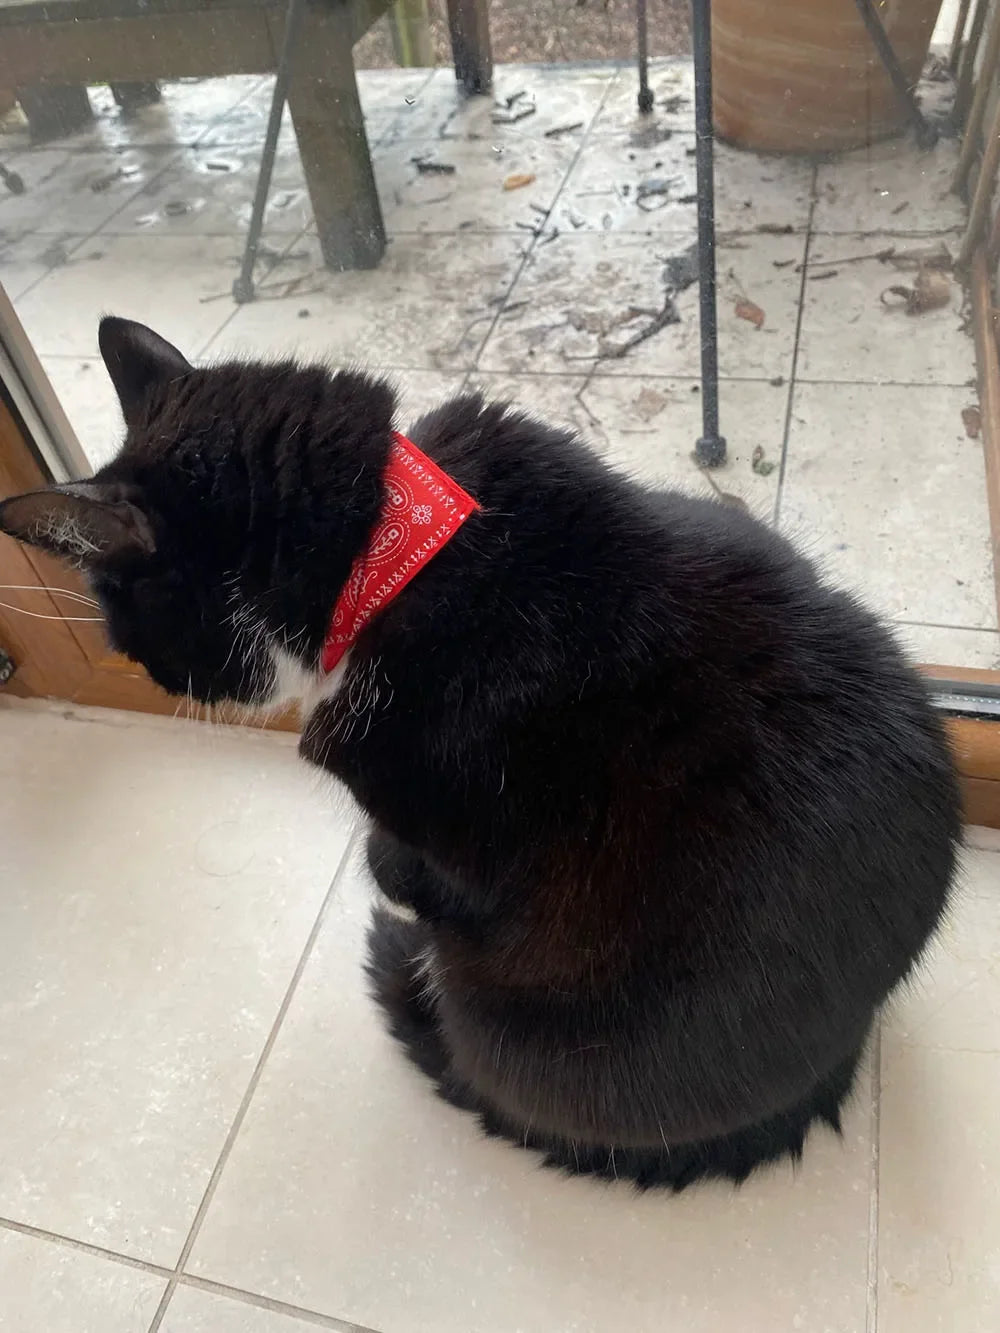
column 96, row 1251
column 269, row 1303
column 251, row 1088
column 934, row 624
column 645, row 377
column 871, row 1309
column 786, row 437
column 533, row 243
column 182, row 1279
column 887, row 384
column 898, row 233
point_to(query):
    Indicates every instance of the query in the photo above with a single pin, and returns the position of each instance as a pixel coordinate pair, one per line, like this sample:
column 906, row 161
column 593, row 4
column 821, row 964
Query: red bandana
column 423, row 510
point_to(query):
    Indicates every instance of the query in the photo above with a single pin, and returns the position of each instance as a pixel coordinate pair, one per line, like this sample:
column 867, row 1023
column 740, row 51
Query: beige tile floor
column 858, row 406
column 204, row 1129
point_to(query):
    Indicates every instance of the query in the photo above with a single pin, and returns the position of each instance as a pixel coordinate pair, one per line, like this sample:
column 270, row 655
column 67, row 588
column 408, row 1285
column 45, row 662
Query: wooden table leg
column 329, row 126
column 134, row 96
column 54, row 111
column 472, row 51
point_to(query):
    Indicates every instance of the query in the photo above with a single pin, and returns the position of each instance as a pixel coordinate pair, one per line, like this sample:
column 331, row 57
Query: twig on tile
column 724, row 497
column 429, row 167
column 276, row 290
column 595, row 421
column 883, row 256
column 662, row 320
column 511, row 118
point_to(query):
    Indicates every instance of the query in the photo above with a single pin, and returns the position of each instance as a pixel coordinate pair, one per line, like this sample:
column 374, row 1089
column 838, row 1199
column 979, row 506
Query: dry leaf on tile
column 518, row 180
column 972, row 421
column 761, row 465
column 649, row 403
column 931, row 290
column 750, row 311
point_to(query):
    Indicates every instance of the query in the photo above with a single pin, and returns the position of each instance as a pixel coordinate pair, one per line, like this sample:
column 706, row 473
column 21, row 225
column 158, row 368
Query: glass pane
column 539, row 243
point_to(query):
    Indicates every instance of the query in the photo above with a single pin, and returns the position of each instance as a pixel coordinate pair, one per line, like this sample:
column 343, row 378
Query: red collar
column 423, row 510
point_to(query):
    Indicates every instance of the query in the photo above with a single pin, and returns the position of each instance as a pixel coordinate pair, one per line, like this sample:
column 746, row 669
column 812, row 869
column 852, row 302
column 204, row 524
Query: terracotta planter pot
column 805, row 77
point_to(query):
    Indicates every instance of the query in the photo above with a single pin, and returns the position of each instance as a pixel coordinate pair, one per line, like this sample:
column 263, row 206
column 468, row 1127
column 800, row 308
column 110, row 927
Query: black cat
column 671, row 816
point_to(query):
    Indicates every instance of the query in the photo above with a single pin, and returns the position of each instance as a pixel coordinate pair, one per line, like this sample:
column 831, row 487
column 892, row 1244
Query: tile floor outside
column 530, row 293
column 204, row 1128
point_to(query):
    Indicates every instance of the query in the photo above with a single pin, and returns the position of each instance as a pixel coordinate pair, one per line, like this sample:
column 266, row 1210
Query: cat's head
column 218, row 537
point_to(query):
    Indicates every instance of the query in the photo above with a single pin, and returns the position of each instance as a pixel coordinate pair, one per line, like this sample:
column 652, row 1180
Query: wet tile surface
column 580, row 299
column 868, row 467
column 857, row 326
column 584, row 270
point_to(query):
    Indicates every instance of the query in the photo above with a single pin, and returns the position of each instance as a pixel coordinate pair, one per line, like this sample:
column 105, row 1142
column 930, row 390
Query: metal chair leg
column 243, row 288
column 927, row 135
column 645, row 92
column 710, row 450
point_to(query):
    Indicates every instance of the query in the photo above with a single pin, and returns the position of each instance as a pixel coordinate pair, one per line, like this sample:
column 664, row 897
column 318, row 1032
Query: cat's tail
column 730, row 1157
column 397, row 968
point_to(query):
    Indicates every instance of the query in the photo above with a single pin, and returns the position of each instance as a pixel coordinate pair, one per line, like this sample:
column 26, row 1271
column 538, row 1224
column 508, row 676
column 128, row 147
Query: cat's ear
column 79, row 522
column 138, row 361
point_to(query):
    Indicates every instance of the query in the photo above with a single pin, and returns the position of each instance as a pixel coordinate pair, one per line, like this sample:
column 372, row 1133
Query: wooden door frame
column 61, row 658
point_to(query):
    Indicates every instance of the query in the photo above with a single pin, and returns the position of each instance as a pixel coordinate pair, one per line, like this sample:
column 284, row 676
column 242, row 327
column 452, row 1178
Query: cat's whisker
column 38, row 615
column 51, row 592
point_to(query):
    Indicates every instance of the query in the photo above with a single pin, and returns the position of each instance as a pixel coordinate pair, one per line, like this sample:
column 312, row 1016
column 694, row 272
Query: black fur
column 674, row 816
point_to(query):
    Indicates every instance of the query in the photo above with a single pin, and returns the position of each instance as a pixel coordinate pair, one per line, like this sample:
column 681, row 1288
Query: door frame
column 28, row 391
column 62, row 657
